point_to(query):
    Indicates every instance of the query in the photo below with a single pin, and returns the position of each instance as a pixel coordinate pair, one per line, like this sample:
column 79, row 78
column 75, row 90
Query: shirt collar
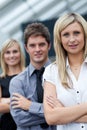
column 67, row 62
column 85, row 60
column 32, row 68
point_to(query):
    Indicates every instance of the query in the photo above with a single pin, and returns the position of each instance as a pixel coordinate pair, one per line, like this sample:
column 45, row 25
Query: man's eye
column 42, row 44
column 32, row 46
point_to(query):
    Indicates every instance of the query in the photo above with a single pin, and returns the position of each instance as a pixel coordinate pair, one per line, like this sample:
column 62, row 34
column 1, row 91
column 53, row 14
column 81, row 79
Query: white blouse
column 69, row 97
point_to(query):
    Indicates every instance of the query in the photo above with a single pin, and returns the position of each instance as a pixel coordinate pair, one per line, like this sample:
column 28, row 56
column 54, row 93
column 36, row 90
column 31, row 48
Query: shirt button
column 82, row 126
column 77, row 91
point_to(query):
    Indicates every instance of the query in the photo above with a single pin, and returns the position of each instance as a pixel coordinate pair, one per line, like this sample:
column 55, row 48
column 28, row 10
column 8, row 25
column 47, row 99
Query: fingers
column 16, row 95
column 19, row 101
column 15, row 100
column 50, row 101
column 15, row 104
column 53, row 102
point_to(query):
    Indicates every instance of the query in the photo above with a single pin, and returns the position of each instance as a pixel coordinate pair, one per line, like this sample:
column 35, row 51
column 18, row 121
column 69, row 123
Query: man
column 26, row 109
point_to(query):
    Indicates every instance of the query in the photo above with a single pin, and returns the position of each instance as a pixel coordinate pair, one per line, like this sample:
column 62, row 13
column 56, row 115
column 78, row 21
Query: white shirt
column 69, row 97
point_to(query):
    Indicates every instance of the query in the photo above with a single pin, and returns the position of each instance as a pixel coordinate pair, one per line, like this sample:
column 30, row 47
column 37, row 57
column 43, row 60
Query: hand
column 19, row 101
column 5, row 100
column 53, row 102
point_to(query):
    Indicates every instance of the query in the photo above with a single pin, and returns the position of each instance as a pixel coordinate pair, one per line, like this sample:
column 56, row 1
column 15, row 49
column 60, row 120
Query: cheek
column 5, row 57
column 28, row 50
column 83, row 40
column 18, row 56
column 64, row 42
column 46, row 48
column 17, row 59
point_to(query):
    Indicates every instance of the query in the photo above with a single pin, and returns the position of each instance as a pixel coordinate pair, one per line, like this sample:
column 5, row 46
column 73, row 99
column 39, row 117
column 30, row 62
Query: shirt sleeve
column 37, row 109
column 49, row 74
column 21, row 117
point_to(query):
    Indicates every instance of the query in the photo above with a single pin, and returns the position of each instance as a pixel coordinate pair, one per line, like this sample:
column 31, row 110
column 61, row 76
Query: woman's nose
column 72, row 38
column 11, row 54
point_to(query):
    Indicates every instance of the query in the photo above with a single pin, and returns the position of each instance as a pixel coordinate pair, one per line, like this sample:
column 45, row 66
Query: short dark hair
column 36, row 29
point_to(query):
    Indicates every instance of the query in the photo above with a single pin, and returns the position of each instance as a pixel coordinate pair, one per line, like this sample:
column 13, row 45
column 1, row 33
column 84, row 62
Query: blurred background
column 16, row 14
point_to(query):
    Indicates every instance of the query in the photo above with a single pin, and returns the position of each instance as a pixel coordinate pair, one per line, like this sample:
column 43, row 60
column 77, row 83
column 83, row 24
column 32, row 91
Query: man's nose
column 37, row 47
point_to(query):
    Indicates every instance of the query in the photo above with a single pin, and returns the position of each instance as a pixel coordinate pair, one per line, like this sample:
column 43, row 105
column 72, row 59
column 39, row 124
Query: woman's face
column 72, row 38
column 12, row 55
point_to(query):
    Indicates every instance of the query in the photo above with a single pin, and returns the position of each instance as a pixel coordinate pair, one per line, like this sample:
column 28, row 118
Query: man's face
column 37, row 48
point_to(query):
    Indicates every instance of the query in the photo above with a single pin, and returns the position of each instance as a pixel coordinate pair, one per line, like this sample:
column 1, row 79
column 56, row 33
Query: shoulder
column 19, row 81
column 17, row 84
column 51, row 67
column 20, row 77
column 2, row 79
column 50, row 73
column 50, row 70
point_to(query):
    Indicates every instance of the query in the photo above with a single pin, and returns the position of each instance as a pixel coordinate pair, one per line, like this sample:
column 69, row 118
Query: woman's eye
column 15, row 51
column 76, row 32
column 66, row 34
column 7, row 52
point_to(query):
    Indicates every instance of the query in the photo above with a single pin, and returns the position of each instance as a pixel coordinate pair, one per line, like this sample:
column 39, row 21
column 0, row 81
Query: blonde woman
column 65, row 80
column 12, row 63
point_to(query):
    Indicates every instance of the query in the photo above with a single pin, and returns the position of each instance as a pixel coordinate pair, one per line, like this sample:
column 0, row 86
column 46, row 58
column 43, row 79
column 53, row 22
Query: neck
column 14, row 70
column 39, row 65
column 76, row 64
column 76, row 60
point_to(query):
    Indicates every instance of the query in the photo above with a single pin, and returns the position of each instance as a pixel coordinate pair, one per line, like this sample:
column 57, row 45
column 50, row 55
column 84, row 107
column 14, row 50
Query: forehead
column 36, row 39
column 12, row 47
column 73, row 26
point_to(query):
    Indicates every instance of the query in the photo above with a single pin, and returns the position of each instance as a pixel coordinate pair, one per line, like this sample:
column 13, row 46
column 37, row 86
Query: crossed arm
column 4, row 104
column 25, row 112
column 56, row 113
column 19, row 101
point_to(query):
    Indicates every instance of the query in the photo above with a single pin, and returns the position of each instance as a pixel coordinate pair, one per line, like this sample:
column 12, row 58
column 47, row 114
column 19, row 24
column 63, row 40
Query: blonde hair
column 9, row 43
column 61, row 54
